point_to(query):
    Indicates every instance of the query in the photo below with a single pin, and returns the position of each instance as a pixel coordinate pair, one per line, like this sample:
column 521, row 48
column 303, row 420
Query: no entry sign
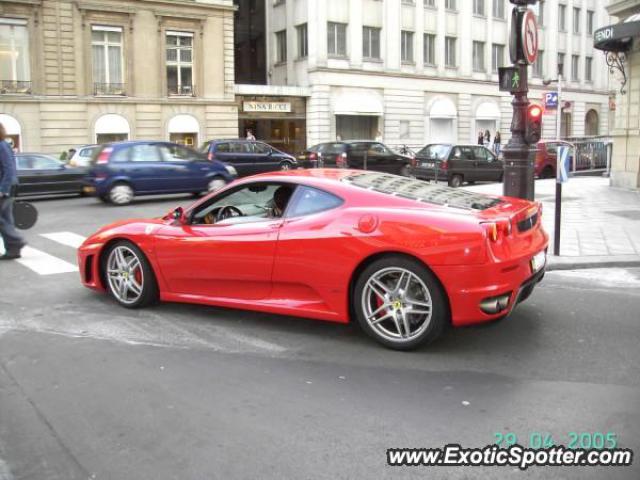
column 529, row 37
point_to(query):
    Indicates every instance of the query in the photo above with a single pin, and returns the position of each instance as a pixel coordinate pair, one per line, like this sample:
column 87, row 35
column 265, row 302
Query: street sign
column 512, row 79
column 550, row 100
column 563, row 166
column 529, row 37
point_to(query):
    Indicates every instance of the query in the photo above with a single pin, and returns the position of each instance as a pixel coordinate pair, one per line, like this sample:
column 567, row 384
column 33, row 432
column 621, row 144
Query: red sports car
column 403, row 257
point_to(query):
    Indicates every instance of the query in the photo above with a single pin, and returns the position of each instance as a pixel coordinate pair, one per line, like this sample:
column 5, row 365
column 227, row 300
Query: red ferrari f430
column 402, row 257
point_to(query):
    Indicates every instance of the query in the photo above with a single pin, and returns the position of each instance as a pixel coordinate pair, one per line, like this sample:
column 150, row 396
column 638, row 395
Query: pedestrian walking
column 497, row 143
column 13, row 241
column 487, row 138
column 480, row 137
column 250, row 135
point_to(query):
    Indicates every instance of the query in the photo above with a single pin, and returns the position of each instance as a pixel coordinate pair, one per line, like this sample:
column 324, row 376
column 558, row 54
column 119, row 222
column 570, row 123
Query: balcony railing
column 115, row 89
column 20, row 87
column 182, row 90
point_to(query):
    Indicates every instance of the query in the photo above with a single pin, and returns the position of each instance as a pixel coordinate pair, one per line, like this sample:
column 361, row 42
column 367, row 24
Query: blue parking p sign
column 551, row 100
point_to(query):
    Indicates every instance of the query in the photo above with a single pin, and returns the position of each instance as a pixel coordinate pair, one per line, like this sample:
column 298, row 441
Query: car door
column 242, row 158
column 264, row 157
column 385, row 160
column 148, row 171
column 484, row 169
column 464, row 159
column 27, row 176
column 223, row 260
column 356, row 156
column 189, row 168
column 50, row 175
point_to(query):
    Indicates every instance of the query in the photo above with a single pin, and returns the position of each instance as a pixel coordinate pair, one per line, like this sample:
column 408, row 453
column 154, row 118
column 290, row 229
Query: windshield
column 435, row 152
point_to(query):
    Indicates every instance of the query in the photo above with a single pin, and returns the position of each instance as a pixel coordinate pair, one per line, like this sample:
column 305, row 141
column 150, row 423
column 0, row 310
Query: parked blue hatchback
column 122, row 170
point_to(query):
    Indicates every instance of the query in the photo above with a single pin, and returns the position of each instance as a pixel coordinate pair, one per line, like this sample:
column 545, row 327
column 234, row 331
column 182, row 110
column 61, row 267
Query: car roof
column 233, row 140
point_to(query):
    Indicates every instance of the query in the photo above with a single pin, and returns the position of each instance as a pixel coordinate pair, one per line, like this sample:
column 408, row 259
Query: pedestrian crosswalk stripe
column 69, row 239
column 43, row 263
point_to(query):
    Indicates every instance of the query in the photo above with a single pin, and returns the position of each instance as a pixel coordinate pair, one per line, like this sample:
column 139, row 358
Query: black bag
column 24, row 214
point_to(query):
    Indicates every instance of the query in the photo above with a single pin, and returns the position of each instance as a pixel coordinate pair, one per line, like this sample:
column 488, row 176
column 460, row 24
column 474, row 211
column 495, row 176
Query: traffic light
column 533, row 129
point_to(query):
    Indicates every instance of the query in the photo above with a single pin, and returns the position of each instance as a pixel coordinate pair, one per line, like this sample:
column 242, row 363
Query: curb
column 586, row 262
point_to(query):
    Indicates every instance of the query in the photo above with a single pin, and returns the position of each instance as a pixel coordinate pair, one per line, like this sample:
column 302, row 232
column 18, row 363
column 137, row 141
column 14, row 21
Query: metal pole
column 559, row 109
column 558, row 213
column 365, row 159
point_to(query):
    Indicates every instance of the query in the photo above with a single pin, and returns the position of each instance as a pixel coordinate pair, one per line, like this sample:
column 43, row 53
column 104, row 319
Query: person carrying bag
column 13, row 241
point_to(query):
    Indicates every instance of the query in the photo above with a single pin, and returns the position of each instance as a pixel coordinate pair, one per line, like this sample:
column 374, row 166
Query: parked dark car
column 546, row 157
column 41, row 174
column 249, row 157
column 360, row 154
column 457, row 164
column 122, row 170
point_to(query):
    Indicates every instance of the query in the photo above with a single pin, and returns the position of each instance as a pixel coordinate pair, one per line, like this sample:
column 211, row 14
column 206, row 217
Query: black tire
column 150, row 292
column 286, row 165
column 455, row 181
column 439, row 310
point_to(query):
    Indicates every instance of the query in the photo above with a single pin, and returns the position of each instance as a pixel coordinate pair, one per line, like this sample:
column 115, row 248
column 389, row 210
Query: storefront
column 358, row 113
column 278, row 121
column 111, row 128
column 184, row 129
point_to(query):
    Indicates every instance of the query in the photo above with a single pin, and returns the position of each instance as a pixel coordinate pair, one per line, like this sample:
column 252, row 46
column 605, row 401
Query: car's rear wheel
column 399, row 303
column 121, row 194
column 286, row 166
column 128, row 276
column 216, row 183
column 455, row 181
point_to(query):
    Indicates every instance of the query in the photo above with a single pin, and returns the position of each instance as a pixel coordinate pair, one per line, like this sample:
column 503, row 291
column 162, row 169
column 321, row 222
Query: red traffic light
column 535, row 111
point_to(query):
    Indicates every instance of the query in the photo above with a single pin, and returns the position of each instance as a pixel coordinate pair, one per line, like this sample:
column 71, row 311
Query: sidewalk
column 600, row 225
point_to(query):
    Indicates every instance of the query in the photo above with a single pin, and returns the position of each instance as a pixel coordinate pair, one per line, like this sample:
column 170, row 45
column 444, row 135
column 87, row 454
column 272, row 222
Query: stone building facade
column 76, row 72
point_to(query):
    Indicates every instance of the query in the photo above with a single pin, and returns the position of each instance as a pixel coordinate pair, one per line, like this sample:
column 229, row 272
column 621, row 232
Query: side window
column 223, row 148
column 260, row 148
column 24, row 163
column 240, row 147
column 46, row 163
column 177, row 153
column 481, row 154
column 456, row 153
column 377, row 149
column 309, row 200
column 467, row 153
column 145, row 153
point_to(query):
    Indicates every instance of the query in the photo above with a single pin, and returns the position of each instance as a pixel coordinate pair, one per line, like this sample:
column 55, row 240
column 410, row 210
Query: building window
column 303, row 46
column 478, row 7
column 497, row 57
column 576, row 20
column 106, row 45
column 15, row 71
column 180, row 63
column 575, row 62
column 405, row 130
column 337, row 39
column 539, row 9
column 478, row 56
column 371, row 42
column 588, row 65
column 450, row 4
column 562, row 13
column 406, row 51
column 281, row 46
column 538, row 65
column 498, row 9
column 561, row 64
column 429, row 57
column 450, row 51
column 429, row 3
column 590, row 15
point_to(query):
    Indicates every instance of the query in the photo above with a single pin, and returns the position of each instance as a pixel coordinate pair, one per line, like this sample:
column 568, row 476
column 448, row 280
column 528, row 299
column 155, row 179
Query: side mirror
column 177, row 214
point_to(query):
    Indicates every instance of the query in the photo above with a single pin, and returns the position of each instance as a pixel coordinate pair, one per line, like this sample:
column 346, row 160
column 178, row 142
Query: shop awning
column 10, row 124
column 183, row 124
column 358, row 103
column 617, row 37
column 112, row 123
column 488, row 111
column 443, row 108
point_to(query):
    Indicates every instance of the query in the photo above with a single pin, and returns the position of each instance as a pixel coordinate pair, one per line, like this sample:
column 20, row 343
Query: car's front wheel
column 128, row 276
column 216, row 183
column 399, row 303
column 286, row 166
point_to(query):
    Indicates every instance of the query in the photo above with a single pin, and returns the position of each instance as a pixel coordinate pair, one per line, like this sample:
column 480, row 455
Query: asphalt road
column 91, row 390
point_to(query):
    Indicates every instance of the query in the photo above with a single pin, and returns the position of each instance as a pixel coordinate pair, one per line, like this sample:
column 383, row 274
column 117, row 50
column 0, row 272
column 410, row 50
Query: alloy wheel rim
column 121, row 194
column 216, row 184
column 125, row 275
column 285, row 166
column 397, row 304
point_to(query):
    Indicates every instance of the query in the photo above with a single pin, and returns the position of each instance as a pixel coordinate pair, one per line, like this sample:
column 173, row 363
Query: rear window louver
column 528, row 223
column 421, row 191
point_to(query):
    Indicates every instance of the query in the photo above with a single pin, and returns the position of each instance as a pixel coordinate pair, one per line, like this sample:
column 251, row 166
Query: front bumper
column 469, row 285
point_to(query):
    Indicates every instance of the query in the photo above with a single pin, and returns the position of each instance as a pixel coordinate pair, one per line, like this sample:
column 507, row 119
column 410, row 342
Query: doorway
column 286, row 135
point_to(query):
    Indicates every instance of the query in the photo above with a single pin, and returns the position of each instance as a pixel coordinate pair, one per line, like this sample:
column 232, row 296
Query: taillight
column 444, row 165
column 313, row 156
column 104, row 155
column 341, row 160
column 497, row 229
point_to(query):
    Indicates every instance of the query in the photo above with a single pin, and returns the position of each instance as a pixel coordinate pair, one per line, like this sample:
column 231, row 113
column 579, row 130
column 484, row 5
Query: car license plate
column 88, row 189
column 428, row 164
column 538, row 261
